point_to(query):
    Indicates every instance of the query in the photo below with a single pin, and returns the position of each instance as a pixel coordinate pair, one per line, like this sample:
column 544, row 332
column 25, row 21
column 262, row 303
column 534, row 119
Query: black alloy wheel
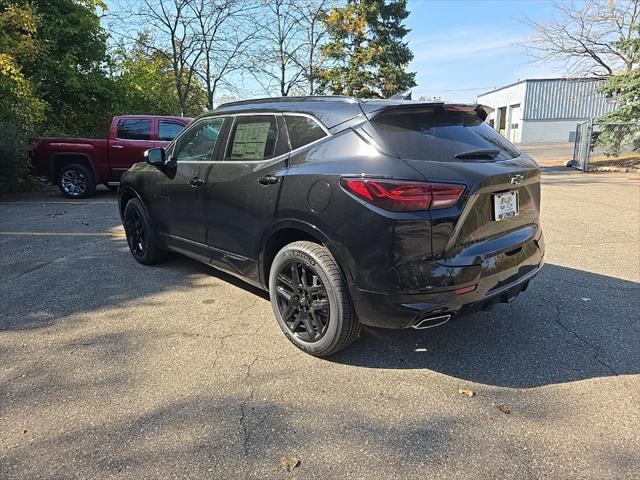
column 310, row 299
column 302, row 301
column 140, row 234
column 134, row 229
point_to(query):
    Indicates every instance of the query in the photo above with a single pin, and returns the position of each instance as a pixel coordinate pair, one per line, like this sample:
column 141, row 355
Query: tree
column 20, row 108
column 224, row 39
column 70, row 71
column 311, row 15
column 622, row 126
column 625, row 87
column 587, row 37
column 145, row 80
column 172, row 25
column 366, row 49
column 275, row 65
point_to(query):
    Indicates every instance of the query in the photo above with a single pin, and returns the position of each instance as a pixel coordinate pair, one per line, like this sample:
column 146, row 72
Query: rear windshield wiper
column 478, row 154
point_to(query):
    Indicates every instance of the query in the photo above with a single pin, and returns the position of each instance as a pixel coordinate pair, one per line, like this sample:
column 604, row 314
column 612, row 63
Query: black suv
column 380, row 212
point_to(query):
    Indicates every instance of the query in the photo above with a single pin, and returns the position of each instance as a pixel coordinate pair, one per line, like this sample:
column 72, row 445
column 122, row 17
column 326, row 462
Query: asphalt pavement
column 109, row 369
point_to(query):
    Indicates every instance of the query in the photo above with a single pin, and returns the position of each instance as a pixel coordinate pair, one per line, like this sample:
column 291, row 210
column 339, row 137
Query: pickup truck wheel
column 140, row 234
column 76, row 181
column 310, row 299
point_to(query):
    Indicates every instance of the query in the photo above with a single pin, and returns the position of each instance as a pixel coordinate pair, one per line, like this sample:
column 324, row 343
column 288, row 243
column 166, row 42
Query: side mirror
column 155, row 157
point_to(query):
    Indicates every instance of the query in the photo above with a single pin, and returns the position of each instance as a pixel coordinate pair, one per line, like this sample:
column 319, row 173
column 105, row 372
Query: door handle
column 268, row 180
column 196, row 182
column 117, row 146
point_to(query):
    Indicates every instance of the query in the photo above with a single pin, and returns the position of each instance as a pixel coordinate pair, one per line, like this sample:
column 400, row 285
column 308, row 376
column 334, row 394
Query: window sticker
column 250, row 140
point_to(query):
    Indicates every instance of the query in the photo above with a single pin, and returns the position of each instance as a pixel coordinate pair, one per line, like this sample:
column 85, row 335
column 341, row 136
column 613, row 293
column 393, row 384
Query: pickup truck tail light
column 403, row 196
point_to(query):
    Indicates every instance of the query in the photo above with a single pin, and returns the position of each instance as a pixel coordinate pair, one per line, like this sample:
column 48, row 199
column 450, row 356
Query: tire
column 313, row 309
column 76, row 181
column 140, row 234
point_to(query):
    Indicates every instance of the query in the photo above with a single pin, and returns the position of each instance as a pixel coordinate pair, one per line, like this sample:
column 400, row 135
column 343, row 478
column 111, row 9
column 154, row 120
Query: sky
column 463, row 48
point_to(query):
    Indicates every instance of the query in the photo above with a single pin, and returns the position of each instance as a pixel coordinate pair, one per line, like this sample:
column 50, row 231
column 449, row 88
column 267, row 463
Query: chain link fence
column 601, row 144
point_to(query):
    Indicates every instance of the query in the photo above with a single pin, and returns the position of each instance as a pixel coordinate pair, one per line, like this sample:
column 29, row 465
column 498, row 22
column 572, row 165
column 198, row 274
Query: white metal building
column 545, row 110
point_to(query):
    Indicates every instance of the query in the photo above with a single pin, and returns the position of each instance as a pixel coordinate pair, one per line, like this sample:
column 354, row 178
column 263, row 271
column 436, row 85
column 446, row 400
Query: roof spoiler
column 373, row 108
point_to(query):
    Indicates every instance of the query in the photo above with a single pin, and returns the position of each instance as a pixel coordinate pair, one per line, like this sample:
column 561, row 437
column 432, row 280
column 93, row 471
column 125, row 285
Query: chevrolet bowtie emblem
column 516, row 179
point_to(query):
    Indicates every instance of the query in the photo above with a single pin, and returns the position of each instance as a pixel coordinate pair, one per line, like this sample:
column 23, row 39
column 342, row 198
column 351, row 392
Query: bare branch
column 585, row 36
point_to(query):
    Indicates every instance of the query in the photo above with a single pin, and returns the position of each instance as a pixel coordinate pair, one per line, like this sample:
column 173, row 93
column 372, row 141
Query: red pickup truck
column 77, row 165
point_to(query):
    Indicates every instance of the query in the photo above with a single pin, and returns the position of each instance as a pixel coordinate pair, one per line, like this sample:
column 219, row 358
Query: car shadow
column 570, row 325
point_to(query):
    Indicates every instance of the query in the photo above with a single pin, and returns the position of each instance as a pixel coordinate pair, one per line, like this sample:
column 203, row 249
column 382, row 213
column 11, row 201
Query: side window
column 134, row 129
column 253, row 138
column 167, row 130
column 303, row 130
column 199, row 141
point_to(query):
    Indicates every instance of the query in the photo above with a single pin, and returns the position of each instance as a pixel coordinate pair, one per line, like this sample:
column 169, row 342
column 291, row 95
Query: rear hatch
column 499, row 210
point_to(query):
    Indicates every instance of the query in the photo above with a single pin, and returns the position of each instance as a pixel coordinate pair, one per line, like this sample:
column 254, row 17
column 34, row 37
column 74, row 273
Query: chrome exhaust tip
column 431, row 322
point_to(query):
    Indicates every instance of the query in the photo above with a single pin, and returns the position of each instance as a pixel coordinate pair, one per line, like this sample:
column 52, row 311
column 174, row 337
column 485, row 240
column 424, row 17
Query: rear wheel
column 310, row 299
column 76, row 181
column 140, row 234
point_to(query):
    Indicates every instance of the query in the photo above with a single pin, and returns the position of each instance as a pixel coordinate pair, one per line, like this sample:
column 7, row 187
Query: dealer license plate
column 505, row 205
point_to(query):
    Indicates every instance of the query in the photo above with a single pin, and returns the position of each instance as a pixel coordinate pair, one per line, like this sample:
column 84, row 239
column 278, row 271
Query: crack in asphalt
column 62, row 257
column 594, row 349
column 243, row 412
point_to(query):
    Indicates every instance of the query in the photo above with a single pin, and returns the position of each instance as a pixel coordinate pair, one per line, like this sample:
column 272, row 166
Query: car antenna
column 406, row 95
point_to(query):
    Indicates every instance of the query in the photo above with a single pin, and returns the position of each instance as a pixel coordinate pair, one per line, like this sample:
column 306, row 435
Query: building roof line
column 568, row 79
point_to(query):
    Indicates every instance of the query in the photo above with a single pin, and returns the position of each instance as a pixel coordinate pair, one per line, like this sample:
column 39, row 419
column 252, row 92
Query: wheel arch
column 125, row 194
column 60, row 159
column 284, row 232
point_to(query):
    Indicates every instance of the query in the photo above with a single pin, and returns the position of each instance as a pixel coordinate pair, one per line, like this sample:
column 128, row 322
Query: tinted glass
column 134, row 129
column 440, row 135
column 168, row 130
column 253, row 138
column 197, row 143
column 303, row 130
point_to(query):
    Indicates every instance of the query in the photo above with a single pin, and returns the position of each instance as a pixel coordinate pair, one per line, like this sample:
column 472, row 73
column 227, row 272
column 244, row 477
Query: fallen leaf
column 504, row 409
column 287, row 464
column 466, row 391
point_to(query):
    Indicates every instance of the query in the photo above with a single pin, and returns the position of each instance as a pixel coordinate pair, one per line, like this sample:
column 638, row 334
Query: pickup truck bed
column 77, row 165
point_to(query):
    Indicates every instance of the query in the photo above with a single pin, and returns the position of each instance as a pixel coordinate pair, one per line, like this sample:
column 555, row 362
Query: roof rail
column 310, row 98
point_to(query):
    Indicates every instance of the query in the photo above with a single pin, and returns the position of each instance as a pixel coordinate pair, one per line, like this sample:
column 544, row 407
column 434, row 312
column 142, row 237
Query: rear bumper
column 404, row 311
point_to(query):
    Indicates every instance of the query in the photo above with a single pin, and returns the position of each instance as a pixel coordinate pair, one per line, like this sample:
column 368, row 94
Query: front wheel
column 310, row 299
column 140, row 234
column 76, row 181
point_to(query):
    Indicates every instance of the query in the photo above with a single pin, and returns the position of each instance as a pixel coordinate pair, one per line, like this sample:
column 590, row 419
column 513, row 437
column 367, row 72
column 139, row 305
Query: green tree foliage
column 70, row 71
column 625, row 87
column 622, row 126
column 20, row 108
column 145, row 80
column 366, row 51
column 57, row 78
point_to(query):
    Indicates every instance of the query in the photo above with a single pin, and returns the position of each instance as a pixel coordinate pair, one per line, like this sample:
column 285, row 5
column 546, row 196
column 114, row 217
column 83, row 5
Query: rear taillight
column 404, row 196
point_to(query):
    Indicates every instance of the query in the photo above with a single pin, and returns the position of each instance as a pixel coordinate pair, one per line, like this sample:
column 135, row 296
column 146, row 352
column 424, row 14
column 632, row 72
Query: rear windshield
column 440, row 135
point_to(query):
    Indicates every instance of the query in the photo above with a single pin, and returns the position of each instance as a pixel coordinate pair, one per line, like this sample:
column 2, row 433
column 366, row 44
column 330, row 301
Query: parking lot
column 111, row 369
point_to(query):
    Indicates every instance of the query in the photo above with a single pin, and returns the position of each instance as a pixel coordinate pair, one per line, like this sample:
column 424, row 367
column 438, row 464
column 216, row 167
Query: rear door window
column 168, row 130
column 253, row 137
column 440, row 135
column 303, row 130
column 134, row 129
